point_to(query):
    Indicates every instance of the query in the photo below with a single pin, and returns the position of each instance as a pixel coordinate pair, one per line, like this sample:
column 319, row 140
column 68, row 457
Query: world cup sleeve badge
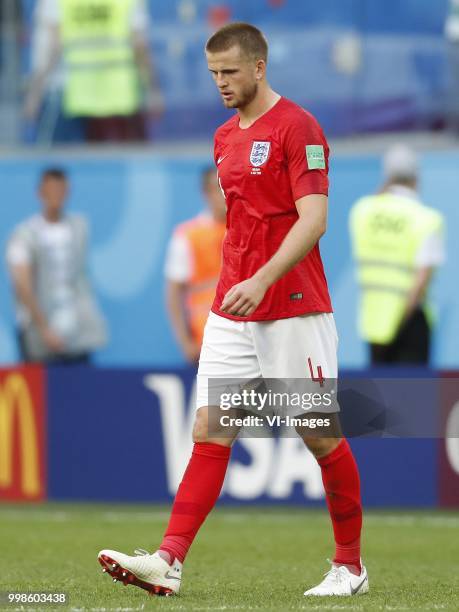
column 259, row 153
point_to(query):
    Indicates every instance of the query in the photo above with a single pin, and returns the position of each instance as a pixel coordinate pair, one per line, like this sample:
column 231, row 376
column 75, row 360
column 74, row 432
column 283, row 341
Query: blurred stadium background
column 373, row 73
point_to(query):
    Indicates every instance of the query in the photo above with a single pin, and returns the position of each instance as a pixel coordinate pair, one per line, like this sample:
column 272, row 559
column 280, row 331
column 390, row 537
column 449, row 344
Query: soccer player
column 272, row 316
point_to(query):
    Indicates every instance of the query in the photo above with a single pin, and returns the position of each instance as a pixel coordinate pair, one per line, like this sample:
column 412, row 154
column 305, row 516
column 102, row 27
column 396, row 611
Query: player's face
column 236, row 76
column 214, row 197
column 53, row 193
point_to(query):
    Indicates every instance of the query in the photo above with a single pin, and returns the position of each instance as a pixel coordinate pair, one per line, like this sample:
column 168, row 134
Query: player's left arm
column 243, row 299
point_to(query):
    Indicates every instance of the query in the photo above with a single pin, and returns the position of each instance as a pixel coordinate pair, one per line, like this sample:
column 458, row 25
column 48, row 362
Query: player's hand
column 53, row 342
column 244, row 298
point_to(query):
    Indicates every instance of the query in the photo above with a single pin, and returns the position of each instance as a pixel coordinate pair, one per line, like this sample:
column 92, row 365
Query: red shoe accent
column 128, row 578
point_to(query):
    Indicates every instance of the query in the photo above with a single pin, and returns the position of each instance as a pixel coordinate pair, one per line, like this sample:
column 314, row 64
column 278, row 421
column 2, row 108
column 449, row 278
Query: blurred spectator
column 58, row 320
column 10, row 28
column 193, row 266
column 397, row 242
column 109, row 74
column 452, row 37
column 10, row 70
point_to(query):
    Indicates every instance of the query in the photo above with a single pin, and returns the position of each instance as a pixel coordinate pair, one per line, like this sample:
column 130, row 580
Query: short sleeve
column 307, row 152
column 18, row 251
column 178, row 266
column 431, row 253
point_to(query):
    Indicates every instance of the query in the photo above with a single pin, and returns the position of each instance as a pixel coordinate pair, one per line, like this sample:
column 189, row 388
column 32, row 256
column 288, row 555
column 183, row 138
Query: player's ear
column 260, row 69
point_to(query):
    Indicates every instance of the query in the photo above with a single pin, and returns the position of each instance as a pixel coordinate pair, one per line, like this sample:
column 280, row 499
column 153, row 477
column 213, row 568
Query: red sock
column 340, row 476
column 196, row 496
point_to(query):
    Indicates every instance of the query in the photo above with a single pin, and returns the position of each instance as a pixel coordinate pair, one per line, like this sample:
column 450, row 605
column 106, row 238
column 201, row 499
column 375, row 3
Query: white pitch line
column 115, row 517
column 28, row 515
column 370, row 518
column 405, row 520
column 66, row 517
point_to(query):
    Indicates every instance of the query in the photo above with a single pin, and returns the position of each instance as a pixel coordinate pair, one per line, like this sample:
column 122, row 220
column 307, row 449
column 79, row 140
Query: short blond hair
column 247, row 37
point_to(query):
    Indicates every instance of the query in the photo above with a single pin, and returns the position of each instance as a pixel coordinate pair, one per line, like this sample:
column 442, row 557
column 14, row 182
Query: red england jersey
column 263, row 170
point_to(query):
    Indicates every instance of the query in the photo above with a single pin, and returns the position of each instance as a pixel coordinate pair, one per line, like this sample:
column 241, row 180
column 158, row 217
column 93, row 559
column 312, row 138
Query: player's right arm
column 244, row 298
column 306, row 153
column 302, row 237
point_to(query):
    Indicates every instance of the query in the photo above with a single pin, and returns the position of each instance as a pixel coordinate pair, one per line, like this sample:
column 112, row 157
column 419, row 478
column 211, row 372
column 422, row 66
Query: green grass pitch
column 243, row 559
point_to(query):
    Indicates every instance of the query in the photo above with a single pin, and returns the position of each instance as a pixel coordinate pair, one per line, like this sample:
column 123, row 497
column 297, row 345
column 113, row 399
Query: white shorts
column 297, row 347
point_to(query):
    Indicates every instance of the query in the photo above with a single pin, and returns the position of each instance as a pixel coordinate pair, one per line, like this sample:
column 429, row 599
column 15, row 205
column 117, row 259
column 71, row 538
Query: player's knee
column 208, row 428
column 321, row 447
column 201, row 426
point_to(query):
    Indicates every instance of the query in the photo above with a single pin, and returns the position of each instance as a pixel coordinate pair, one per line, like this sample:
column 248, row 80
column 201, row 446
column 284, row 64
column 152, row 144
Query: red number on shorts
column 319, row 378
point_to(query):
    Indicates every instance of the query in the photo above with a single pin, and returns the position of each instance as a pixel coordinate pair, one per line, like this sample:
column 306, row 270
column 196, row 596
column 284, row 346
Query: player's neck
column 261, row 104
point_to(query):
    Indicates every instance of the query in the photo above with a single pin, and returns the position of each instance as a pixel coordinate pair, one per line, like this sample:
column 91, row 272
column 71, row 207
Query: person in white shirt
column 57, row 317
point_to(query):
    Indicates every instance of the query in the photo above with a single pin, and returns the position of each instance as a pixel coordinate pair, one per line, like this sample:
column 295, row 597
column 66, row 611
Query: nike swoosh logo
column 167, row 575
column 220, row 159
column 357, row 588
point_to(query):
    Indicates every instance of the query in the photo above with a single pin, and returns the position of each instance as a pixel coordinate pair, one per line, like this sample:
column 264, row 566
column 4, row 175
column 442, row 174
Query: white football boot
column 149, row 572
column 340, row 581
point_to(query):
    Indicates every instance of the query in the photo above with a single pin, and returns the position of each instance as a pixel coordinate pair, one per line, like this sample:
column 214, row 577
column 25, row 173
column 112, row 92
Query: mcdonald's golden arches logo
column 21, row 434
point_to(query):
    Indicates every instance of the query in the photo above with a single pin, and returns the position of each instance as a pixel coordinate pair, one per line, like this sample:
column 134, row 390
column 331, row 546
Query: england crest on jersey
column 259, row 153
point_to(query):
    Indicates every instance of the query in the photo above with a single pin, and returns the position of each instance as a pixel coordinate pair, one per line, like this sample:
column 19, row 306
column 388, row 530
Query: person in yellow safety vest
column 109, row 74
column 397, row 243
column 192, row 268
